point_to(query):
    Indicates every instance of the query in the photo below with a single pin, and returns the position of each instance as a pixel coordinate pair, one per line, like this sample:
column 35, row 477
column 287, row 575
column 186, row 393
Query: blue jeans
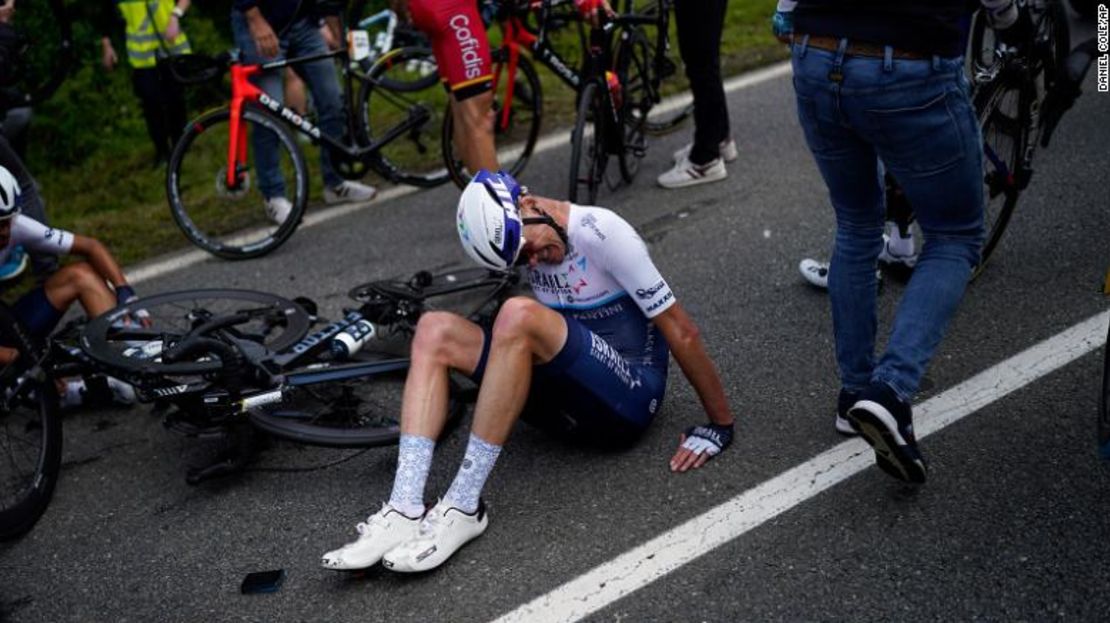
column 301, row 38
column 914, row 115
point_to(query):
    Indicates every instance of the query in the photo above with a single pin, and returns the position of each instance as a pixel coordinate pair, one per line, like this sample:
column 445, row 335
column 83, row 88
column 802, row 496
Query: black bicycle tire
column 630, row 157
column 331, row 437
column 986, row 104
column 94, row 339
column 455, row 167
column 1104, row 401
column 179, row 211
column 374, row 80
column 1061, row 40
column 22, row 516
column 588, row 98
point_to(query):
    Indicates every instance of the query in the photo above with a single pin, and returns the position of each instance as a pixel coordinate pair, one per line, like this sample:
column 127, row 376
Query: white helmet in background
column 9, row 194
column 489, row 223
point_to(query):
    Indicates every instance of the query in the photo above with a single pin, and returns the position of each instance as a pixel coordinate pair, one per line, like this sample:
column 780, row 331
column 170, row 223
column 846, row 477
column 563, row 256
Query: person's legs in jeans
column 943, row 183
column 305, row 39
column 264, row 144
column 699, row 24
column 851, row 171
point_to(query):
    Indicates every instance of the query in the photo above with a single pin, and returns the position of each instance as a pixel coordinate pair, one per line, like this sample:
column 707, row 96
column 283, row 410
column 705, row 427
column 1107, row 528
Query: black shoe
column 887, row 424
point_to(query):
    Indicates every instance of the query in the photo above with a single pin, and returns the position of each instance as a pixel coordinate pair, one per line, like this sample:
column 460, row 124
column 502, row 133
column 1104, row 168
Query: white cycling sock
column 475, row 469
column 899, row 245
column 414, row 459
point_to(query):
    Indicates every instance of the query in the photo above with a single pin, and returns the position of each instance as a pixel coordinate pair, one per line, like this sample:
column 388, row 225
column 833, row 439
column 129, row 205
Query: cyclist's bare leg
column 525, row 333
column 473, row 118
column 443, row 341
column 79, row 282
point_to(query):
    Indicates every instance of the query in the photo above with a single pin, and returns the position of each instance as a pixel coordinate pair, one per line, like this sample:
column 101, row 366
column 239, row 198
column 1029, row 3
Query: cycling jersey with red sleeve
column 459, row 43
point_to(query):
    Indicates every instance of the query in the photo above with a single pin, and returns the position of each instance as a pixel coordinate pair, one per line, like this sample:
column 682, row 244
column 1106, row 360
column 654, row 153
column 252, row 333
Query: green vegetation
column 90, row 152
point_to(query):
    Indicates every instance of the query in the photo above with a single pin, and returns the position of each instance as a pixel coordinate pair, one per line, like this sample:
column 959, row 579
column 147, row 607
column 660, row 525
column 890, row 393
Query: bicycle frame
column 243, row 92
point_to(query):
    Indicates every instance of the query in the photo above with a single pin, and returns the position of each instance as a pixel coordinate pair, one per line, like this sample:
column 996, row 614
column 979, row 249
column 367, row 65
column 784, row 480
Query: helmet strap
column 545, row 219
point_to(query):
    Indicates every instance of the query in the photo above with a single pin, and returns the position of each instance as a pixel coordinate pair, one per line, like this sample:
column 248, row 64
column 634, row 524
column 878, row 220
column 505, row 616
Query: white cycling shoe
column 381, row 532
column 444, row 530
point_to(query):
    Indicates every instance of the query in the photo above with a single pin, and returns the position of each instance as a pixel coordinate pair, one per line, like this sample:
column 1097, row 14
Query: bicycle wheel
column 515, row 131
column 1003, row 123
column 1053, row 41
column 1104, row 401
column 356, row 413
column 133, row 351
column 30, row 431
column 231, row 220
column 407, row 158
column 639, row 95
column 588, row 156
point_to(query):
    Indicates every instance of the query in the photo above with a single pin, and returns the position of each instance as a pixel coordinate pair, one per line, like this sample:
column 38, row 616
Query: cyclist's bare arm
column 684, row 340
column 100, row 258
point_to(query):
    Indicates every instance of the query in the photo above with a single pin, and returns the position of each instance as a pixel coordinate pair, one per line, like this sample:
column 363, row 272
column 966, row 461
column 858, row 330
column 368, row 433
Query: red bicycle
column 220, row 205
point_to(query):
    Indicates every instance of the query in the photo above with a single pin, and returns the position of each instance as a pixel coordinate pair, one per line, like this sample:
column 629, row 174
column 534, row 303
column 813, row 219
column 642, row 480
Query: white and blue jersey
column 33, row 309
column 608, row 381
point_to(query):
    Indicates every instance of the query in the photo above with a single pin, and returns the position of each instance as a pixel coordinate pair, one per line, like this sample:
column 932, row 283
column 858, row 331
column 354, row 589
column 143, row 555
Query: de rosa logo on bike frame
column 289, row 115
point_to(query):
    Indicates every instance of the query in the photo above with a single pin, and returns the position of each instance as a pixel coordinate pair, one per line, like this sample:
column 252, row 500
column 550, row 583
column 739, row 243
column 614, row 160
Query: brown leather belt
column 858, row 48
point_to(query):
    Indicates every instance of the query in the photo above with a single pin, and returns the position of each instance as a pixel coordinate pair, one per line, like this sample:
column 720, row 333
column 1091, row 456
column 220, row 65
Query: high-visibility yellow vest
column 146, row 20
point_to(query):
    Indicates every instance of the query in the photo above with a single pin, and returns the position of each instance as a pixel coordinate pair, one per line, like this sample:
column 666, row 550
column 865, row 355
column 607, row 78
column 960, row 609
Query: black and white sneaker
column 685, row 173
column 886, row 423
column 844, row 401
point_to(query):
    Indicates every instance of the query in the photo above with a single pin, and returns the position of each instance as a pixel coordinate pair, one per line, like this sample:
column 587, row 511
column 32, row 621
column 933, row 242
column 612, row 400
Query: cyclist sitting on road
column 267, row 31
column 461, row 48
column 87, row 282
column 588, row 360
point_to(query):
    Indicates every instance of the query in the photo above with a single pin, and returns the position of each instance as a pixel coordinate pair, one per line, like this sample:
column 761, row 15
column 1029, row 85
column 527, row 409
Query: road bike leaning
column 228, row 363
column 215, row 189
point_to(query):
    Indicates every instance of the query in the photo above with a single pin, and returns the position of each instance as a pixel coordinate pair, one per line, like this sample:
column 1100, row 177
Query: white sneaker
column 349, row 191
column 444, row 530
column 278, row 209
column 886, row 256
column 816, row 273
column 686, row 173
column 727, row 151
column 382, row 531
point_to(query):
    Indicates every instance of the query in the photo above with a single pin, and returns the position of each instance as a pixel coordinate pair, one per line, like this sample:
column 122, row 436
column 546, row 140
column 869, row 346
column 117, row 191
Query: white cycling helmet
column 9, row 194
column 490, row 227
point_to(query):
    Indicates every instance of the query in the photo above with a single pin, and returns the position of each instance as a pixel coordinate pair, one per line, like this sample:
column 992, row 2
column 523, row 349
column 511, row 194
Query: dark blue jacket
column 923, row 26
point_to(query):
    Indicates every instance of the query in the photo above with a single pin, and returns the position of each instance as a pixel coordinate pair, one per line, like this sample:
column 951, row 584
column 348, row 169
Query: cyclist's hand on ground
column 263, row 36
column 699, row 444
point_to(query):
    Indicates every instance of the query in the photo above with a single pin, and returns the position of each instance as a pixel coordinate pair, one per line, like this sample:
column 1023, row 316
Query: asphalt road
column 1012, row 524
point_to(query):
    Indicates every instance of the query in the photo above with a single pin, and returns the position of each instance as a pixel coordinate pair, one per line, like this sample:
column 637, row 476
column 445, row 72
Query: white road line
column 316, row 216
column 671, row 550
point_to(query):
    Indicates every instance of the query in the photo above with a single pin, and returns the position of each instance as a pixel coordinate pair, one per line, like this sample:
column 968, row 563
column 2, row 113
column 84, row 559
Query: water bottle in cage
column 614, row 83
column 348, row 341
